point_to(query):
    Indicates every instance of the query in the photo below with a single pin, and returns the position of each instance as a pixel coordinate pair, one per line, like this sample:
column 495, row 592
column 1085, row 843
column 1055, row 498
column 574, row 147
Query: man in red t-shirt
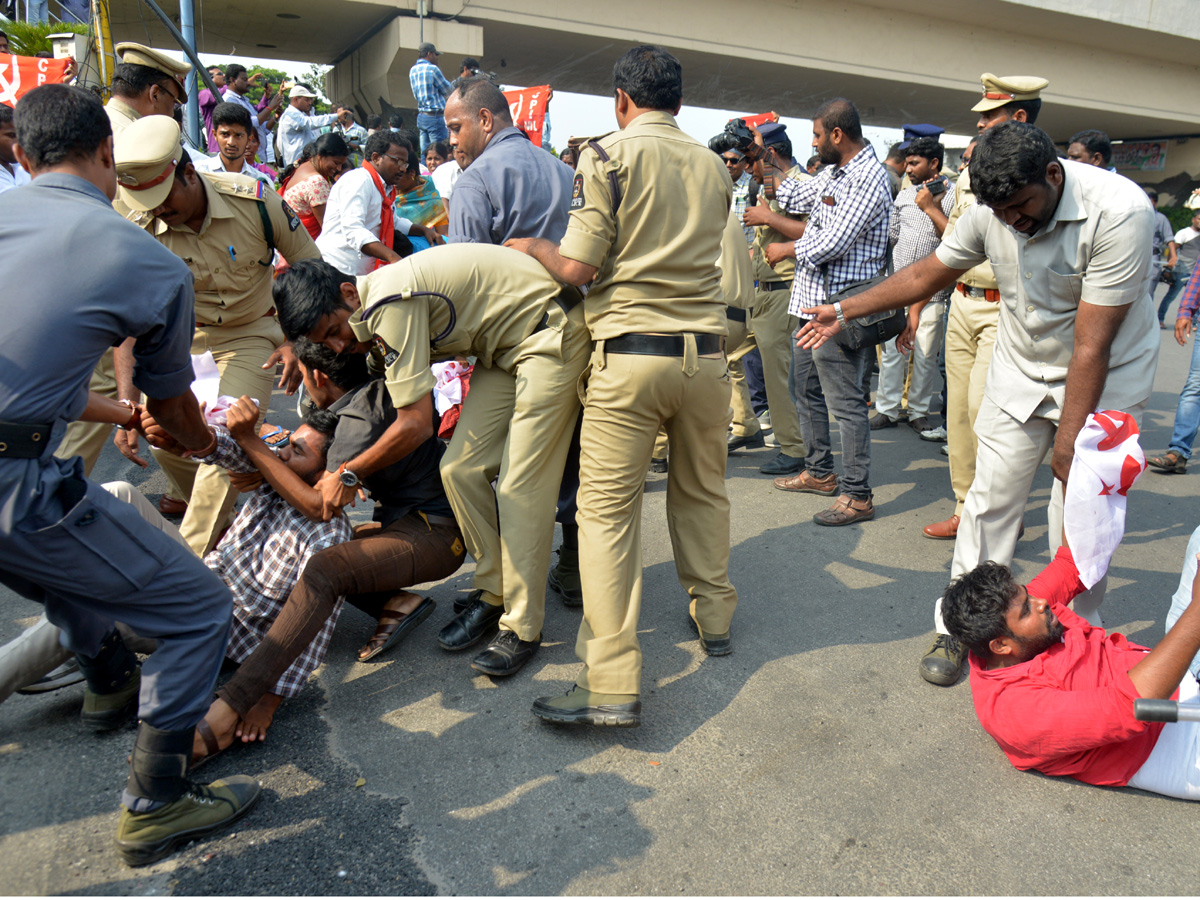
column 1057, row 693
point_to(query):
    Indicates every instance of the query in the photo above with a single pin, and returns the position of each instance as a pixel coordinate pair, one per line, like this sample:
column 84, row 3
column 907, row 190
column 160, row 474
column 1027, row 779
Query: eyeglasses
column 174, row 96
column 400, row 161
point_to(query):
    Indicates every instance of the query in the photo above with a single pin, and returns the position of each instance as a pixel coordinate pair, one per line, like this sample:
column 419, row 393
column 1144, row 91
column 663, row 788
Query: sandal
column 212, row 747
column 846, row 511
column 1171, row 463
column 393, row 626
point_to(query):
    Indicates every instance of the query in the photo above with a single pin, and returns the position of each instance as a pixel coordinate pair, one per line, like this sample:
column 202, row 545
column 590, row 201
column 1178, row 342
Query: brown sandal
column 846, row 510
column 212, row 747
column 393, row 626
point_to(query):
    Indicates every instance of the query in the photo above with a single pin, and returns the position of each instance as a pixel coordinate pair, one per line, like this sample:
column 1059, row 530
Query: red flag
column 529, row 108
column 760, row 119
column 21, row 74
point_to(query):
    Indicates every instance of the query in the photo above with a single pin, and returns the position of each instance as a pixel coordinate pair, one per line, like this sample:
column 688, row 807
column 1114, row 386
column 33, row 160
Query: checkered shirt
column 1190, row 300
column 912, row 234
column 261, row 558
column 429, row 86
column 741, row 199
column 849, row 211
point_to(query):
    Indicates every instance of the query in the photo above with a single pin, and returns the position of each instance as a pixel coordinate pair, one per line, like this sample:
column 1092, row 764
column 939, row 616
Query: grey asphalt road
column 813, row 760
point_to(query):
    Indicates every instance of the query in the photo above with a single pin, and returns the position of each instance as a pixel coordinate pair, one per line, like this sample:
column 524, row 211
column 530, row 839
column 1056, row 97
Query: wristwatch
column 837, row 308
column 348, row 478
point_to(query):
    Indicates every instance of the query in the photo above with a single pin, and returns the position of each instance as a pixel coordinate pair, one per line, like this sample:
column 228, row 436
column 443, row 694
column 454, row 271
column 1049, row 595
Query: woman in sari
column 418, row 200
column 305, row 184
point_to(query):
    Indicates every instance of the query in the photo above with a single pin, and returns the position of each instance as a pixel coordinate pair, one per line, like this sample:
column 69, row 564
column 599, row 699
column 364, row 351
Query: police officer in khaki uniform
column 225, row 227
column 145, row 83
column 649, row 208
column 970, row 339
column 771, row 324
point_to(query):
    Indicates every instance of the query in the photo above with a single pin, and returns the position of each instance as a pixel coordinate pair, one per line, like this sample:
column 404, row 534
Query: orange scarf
column 387, row 224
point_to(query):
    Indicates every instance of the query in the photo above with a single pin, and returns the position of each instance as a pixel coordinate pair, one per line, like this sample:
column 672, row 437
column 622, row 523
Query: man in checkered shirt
column 430, row 88
column 849, row 209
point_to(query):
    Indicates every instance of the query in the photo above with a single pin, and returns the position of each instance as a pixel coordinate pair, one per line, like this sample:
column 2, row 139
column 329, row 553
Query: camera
column 736, row 136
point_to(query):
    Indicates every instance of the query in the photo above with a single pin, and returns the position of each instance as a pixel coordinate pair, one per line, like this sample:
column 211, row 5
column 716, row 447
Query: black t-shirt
column 413, row 484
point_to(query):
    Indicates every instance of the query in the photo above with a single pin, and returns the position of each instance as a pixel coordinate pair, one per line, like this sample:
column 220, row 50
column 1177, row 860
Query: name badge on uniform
column 577, row 193
column 389, row 355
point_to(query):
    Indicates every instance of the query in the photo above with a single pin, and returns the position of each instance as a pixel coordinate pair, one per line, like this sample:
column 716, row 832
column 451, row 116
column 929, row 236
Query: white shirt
column 1183, row 235
column 296, row 130
column 444, row 178
column 216, row 164
column 353, row 215
column 12, row 177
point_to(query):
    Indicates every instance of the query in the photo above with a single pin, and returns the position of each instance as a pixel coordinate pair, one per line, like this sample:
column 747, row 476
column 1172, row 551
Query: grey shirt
column 513, row 189
column 111, row 280
column 413, row 484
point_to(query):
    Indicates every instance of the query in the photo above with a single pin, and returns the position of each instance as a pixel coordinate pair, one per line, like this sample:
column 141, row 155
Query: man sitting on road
column 1057, row 693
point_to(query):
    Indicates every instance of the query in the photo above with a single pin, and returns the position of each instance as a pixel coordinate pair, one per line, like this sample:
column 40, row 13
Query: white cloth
column 12, row 177
column 296, row 130
column 448, row 391
column 445, row 177
column 1108, row 460
column 1173, row 766
column 215, row 164
column 353, row 215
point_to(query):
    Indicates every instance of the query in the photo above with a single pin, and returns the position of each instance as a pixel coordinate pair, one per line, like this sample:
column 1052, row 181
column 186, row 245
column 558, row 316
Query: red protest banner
column 21, row 74
column 529, row 108
column 760, row 119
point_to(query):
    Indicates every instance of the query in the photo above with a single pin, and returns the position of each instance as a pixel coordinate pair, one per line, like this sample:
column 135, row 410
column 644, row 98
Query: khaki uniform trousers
column 970, row 339
column 516, row 429
column 739, row 341
column 1010, row 453
column 628, row 398
column 773, row 330
column 87, row 439
column 240, row 352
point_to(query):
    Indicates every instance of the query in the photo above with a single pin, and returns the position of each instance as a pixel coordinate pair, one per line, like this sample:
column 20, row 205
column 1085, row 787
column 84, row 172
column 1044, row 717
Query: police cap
column 1000, row 91
column 141, row 55
column 146, row 153
column 773, row 132
column 912, row 132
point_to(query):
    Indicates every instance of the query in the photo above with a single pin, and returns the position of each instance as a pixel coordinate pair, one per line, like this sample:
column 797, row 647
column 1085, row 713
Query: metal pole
column 187, row 27
column 421, row 17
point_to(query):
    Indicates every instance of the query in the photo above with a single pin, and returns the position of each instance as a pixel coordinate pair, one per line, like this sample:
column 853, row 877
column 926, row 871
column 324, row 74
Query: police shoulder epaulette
column 238, row 185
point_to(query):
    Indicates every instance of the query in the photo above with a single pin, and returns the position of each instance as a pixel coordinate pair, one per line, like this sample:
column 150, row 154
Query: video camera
column 736, row 136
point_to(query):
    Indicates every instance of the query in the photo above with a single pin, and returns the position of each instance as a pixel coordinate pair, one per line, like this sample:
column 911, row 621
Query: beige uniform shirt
column 500, row 296
column 1095, row 249
column 964, row 198
column 764, row 235
column 657, row 255
column 737, row 272
column 120, row 114
column 229, row 257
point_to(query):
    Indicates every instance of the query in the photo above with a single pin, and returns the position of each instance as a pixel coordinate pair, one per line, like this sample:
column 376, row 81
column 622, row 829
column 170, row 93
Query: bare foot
column 222, row 720
column 256, row 722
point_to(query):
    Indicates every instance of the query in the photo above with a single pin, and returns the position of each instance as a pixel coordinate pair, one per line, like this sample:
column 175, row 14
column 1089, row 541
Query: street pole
column 187, row 27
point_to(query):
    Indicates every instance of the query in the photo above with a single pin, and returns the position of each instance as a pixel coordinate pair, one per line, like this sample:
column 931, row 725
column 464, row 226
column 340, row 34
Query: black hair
column 975, row 605
column 395, row 120
column 346, row 370
column 1094, row 142
column 231, row 114
column 405, row 139
column 306, row 293
column 782, row 145
column 181, row 168
column 379, row 143
column 6, row 113
column 331, row 144
column 374, row 122
column 469, row 62
column 927, row 148
column 812, row 160
column 1150, row 192
column 57, row 123
column 651, row 76
column 232, row 71
column 477, row 92
column 441, row 148
column 897, row 152
column 323, row 422
column 1031, row 107
column 840, row 113
column 133, row 80
column 1008, row 157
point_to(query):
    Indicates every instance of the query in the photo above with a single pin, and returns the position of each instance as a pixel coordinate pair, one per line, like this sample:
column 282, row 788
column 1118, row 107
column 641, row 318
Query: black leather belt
column 738, row 315
column 567, row 299
column 773, row 285
column 19, row 441
column 662, row 344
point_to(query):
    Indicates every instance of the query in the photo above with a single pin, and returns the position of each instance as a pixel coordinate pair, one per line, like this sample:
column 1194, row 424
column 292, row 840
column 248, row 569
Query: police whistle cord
column 408, row 295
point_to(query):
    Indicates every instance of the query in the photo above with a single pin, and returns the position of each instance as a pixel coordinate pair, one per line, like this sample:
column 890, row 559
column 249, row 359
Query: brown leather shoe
column 846, row 510
column 169, row 506
column 943, row 531
column 805, row 483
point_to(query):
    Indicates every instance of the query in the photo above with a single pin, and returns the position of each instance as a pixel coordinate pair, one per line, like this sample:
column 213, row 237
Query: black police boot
column 113, row 680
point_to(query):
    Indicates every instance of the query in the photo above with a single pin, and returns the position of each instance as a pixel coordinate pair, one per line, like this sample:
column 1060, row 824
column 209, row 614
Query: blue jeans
column 1181, row 279
column 831, row 378
column 1187, row 413
column 432, row 129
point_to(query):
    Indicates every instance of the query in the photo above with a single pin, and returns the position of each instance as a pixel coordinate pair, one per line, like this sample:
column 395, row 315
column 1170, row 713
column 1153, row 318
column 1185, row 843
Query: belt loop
column 598, row 356
column 691, row 364
column 425, row 519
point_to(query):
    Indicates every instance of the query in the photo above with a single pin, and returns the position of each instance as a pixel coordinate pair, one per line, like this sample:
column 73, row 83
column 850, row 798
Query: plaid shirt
column 261, row 558
column 429, row 86
column 849, row 212
column 911, row 232
column 1190, row 301
column 741, row 199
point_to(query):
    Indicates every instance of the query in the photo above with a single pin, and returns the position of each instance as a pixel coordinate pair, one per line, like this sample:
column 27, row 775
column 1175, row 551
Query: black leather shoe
column 580, row 707
column 471, row 626
column 782, row 465
column 461, row 603
column 746, row 442
column 506, row 654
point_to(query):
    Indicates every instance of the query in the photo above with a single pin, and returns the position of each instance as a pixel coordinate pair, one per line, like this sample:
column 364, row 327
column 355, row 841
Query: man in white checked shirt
column 849, row 209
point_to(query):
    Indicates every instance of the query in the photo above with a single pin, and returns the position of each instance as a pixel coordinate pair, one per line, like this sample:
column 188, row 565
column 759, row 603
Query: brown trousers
column 368, row 570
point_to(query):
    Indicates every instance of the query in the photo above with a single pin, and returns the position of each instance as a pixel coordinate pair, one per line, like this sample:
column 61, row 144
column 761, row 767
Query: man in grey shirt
column 509, row 188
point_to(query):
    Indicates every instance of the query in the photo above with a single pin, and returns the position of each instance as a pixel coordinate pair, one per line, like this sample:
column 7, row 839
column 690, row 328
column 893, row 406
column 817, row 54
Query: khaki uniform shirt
column 120, row 114
column 656, row 257
column 737, row 272
column 765, row 235
column 229, row 257
column 1095, row 249
column 500, row 296
column 964, row 198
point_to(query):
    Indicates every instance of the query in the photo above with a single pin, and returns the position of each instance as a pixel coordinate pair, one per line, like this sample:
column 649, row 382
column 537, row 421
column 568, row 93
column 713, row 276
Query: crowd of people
column 610, row 329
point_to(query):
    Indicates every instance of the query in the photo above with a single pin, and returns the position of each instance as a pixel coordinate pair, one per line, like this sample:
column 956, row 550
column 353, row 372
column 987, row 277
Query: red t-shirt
column 1068, row 711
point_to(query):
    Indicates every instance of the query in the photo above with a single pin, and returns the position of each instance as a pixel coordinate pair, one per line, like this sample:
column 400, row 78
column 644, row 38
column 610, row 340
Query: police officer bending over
column 88, row 558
